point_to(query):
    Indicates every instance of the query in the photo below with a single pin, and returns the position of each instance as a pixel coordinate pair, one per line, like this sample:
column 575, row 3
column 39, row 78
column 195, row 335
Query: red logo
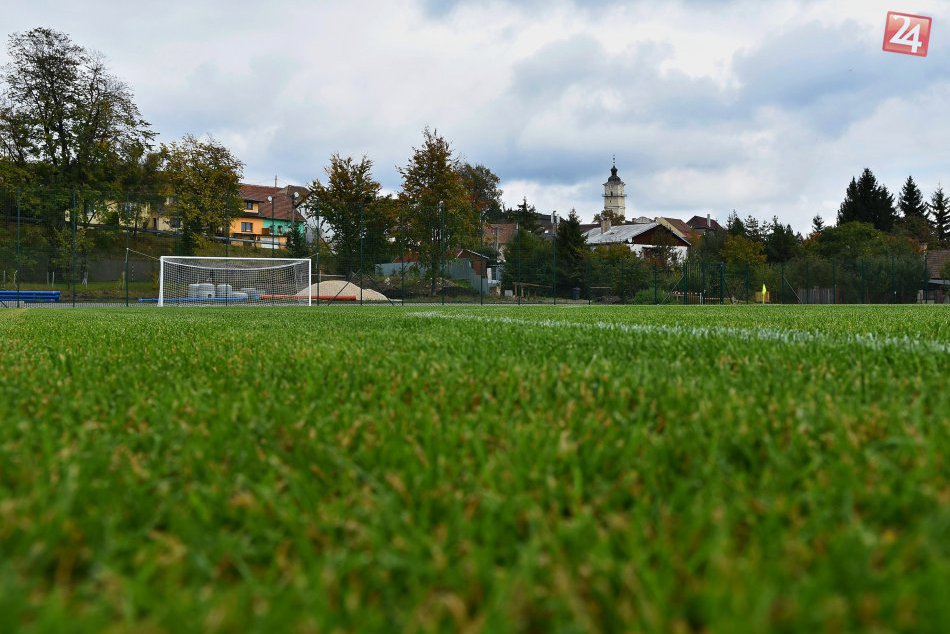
column 907, row 34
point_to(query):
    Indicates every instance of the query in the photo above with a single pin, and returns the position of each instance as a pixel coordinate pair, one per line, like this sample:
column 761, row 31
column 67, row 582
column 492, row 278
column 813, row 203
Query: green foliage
column 572, row 253
column 349, row 203
column 940, row 213
column 609, row 214
column 734, row 225
column 525, row 216
column 437, row 215
column 482, row 191
column 600, row 469
column 817, row 224
column 858, row 239
column 911, row 202
column 869, row 202
column 781, row 243
column 740, row 251
column 528, row 260
column 67, row 122
column 297, row 242
column 203, row 180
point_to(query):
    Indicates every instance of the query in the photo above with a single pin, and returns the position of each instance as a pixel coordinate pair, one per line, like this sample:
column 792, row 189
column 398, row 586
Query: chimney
column 605, row 225
column 708, row 222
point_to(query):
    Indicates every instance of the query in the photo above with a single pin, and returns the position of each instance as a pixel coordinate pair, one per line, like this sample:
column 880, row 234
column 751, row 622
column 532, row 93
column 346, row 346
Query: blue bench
column 31, row 297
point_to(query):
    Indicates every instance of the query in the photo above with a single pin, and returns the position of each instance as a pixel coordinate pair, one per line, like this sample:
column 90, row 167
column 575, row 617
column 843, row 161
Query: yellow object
column 764, row 293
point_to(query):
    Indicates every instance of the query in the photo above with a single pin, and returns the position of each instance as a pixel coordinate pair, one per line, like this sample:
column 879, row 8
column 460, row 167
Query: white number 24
column 905, row 37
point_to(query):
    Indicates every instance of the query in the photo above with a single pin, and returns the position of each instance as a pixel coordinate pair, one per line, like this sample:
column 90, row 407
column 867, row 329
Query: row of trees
column 869, row 223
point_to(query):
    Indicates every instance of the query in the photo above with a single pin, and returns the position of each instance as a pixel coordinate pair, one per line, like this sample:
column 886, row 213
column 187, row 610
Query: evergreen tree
column 911, row 202
column 296, row 242
column 781, row 243
column 525, row 215
column 735, row 226
column 867, row 201
column 940, row 210
column 817, row 224
column 753, row 229
column 571, row 252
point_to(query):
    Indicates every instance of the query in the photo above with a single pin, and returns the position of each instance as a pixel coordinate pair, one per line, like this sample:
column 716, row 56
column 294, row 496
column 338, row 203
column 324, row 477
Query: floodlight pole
column 273, row 247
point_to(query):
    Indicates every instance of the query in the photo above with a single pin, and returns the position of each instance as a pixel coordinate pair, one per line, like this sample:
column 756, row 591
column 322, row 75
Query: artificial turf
column 725, row 469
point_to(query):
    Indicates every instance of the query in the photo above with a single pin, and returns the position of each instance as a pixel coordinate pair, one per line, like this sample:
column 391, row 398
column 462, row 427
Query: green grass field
column 658, row 469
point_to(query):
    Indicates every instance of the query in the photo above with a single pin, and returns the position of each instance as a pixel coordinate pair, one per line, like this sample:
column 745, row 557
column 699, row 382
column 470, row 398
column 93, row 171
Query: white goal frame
column 276, row 262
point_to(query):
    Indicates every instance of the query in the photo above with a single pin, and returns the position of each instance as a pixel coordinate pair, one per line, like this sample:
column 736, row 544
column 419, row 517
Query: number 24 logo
column 908, row 34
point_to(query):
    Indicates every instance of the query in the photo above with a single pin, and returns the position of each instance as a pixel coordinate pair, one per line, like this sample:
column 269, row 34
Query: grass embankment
column 643, row 469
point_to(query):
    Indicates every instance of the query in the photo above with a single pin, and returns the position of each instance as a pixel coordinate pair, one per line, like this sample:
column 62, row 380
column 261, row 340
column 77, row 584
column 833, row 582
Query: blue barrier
column 31, row 297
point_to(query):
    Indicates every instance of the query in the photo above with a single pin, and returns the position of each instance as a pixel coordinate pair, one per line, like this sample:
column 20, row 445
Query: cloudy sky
column 766, row 107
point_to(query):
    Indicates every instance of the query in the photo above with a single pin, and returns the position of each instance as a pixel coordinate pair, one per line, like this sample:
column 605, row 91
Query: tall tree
column 482, row 192
column 203, row 181
column 346, row 202
column 734, row 225
column 571, row 250
column 868, row 201
column 781, row 243
column 66, row 117
column 817, row 224
column 437, row 215
column 911, row 202
column 296, row 241
column 753, row 229
column 940, row 212
column 526, row 216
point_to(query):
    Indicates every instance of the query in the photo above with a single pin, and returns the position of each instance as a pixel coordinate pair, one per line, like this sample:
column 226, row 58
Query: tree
column 437, row 214
column 739, row 250
column 940, row 212
column 69, row 122
column 347, row 203
column 867, row 201
column 817, row 224
column 781, row 243
column 297, row 242
column 911, row 202
column 852, row 240
column 526, row 217
column 482, row 192
column 734, row 225
column 571, row 250
column 614, row 217
column 203, row 181
column 753, row 229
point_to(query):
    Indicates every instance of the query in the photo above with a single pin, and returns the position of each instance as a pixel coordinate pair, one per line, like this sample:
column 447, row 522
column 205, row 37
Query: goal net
column 210, row 281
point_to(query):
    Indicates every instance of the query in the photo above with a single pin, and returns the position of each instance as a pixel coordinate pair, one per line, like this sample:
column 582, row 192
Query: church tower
column 615, row 201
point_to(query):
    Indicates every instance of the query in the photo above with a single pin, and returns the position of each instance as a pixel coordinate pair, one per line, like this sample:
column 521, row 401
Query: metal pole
column 894, row 277
column 16, row 273
column 72, row 264
column 554, row 274
column 656, row 292
column 127, row 210
column 781, row 284
column 722, row 282
column 273, row 229
column 362, row 238
column 317, row 208
column 834, row 281
column 442, row 249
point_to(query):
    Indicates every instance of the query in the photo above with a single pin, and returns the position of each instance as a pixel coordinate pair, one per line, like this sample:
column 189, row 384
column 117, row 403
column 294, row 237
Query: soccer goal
column 211, row 281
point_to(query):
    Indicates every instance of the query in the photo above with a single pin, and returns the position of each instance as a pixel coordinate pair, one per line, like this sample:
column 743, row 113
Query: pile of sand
column 340, row 288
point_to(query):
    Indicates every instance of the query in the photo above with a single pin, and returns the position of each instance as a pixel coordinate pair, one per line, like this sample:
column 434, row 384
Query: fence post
column 127, row 214
column 894, row 277
column 590, row 297
column 722, row 283
column 16, row 272
column 554, row 261
column 362, row 240
column 442, row 249
column 685, row 281
column 72, row 260
column 781, row 284
column 834, row 281
column 316, row 208
column 656, row 291
column 748, row 283
column 807, row 286
column 864, row 284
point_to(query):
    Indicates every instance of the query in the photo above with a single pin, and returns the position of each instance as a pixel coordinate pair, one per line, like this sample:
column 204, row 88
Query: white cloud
column 765, row 107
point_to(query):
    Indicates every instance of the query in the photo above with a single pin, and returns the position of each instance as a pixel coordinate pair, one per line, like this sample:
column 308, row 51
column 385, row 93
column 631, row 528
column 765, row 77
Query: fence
column 103, row 248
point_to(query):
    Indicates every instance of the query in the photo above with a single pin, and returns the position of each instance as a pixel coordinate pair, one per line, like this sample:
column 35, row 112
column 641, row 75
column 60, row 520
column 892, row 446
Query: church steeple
column 615, row 200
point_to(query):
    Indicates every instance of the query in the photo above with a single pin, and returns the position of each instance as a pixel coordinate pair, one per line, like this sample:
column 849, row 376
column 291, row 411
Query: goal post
column 226, row 281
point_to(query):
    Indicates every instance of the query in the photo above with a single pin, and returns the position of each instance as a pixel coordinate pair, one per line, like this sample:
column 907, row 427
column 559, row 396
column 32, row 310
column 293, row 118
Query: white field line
column 870, row 341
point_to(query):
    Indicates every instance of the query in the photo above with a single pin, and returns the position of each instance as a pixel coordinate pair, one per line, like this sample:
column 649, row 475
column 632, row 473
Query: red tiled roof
column 700, row 222
column 679, row 225
column 936, row 260
column 282, row 200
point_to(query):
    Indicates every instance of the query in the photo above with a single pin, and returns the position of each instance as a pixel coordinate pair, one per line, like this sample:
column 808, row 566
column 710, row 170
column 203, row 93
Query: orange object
column 319, row 298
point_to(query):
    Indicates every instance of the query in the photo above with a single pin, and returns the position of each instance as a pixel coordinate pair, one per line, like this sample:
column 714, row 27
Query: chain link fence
column 71, row 248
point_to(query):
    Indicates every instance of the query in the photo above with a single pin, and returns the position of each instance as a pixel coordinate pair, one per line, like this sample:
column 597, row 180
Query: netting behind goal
column 191, row 281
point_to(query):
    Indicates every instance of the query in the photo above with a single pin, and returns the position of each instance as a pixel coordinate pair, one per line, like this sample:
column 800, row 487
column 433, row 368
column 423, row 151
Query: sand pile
column 341, row 288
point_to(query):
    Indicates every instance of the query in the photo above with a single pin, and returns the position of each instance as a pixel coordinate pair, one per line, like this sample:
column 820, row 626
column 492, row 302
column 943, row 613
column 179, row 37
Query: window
column 247, row 227
column 280, row 230
column 249, row 204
